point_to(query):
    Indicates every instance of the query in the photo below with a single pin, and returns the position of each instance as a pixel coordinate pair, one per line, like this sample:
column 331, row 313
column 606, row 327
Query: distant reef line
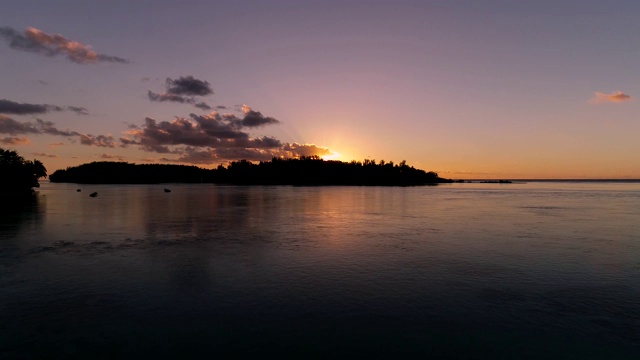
column 306, row 170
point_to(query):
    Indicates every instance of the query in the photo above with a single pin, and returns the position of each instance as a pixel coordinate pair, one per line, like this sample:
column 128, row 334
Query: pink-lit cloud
column 614, row 97
column 15, row 141
column 99, row 140
column 110, row 157
column 40, row 154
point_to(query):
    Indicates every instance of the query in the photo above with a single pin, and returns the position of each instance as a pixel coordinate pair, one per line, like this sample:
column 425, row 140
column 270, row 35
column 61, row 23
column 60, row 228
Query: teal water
column 529, row 270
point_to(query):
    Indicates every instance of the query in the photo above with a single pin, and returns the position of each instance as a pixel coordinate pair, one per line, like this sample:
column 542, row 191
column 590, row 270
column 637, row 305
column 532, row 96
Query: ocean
column 535, row 270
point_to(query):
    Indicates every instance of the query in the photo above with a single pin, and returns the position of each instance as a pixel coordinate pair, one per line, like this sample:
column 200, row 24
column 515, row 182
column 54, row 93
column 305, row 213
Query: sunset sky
column 469, row 89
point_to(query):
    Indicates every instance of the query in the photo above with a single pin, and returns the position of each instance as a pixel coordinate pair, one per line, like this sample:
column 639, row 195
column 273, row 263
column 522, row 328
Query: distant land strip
column 304, row 171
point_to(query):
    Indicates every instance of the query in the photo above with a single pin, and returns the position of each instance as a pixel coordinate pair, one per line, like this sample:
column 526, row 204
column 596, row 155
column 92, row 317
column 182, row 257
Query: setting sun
column 333, row 156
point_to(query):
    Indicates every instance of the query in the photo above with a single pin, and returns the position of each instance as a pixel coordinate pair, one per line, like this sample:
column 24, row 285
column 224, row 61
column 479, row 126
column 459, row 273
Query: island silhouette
column 306, row 170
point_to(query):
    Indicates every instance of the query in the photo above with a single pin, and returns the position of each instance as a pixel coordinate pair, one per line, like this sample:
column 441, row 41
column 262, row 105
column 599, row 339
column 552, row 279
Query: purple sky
column 469, row 89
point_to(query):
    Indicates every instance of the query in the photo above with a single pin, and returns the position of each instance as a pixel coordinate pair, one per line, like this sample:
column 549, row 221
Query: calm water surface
column 533, row 270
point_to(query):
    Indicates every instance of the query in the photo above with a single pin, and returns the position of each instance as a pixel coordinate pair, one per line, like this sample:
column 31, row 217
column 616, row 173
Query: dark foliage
column 17, row 175
column 304, row 171
column 108, row 172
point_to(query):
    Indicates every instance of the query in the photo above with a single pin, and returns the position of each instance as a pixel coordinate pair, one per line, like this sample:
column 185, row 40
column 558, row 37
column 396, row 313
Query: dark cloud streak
column 13, row 127
column 41, row 154
column 202, row 105
column 47, row 127
column 51, row 45
column 78, row 110
column 11, row 107
column 42, row 127
column 16, row 108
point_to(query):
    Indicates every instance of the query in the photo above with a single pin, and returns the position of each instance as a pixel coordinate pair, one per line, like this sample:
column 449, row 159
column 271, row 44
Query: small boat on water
column 167, row 190
column 94, row 194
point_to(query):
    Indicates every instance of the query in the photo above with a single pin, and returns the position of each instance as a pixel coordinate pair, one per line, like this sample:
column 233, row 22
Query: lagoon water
column 529, row 270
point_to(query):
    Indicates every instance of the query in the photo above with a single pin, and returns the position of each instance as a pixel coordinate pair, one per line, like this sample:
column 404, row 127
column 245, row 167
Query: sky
column 468, row 89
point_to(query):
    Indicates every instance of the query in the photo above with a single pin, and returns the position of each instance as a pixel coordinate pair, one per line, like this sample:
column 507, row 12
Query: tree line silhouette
column 306, row 170
column 17, row 175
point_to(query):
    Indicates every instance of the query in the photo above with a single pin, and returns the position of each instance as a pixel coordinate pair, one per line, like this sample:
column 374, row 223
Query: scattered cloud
column 615, row 97
column 191, row 155
column 184, row 90
column 15, row 141
column 110, row 157
column 78, row 110
column 194, row 155
column 297, row 150
column 189, row 86
column 177, row 98
column 49, row 128
column 255, row 118
column 44, row 155
column 51, row 45
column 13, row 127
column 202, row 105
column 42, row 127
column 206, row 139
column 213, row 130
column 169, row 97
column 16, row 108
column 99, row 140
column 12, row 107
column 55, row 145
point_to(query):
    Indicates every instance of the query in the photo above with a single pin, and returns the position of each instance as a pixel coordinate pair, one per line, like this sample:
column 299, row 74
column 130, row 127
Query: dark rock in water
column 167, row 190
column 93, row 194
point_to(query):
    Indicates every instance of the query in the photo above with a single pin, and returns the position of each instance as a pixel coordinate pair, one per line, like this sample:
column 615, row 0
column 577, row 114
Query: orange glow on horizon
column 333, row 156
